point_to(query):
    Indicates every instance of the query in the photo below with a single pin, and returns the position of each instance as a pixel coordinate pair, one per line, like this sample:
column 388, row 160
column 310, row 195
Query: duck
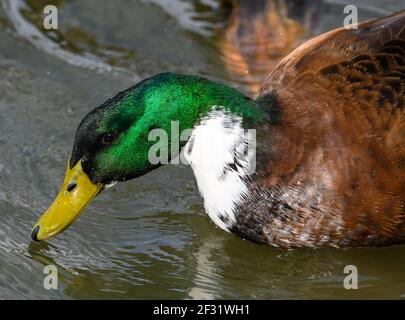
column 315, row 158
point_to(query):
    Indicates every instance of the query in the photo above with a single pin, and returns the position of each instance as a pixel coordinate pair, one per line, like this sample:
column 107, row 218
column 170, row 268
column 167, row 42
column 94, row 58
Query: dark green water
column 147, row 238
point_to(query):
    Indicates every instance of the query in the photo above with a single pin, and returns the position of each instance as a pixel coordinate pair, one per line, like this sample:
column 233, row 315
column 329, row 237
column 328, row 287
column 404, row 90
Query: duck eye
column 108, row 138
column 71, row 186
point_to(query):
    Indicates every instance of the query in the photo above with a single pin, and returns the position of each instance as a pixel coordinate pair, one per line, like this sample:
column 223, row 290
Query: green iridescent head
column 112, row 140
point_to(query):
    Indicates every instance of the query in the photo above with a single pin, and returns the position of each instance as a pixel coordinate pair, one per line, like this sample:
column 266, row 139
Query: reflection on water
column 261, row 33
column 143, row 238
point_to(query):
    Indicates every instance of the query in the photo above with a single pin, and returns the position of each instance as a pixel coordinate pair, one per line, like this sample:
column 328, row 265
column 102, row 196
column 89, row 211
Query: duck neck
column 222, row 146
column 190, row 99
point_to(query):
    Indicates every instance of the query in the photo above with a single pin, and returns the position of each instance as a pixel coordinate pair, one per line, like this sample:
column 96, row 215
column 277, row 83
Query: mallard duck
column 325, row 141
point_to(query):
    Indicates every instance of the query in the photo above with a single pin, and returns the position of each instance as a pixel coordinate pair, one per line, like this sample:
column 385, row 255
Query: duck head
column 112, row 142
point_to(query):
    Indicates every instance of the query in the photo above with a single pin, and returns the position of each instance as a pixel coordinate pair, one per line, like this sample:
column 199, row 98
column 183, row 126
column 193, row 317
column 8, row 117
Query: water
column 147, row 238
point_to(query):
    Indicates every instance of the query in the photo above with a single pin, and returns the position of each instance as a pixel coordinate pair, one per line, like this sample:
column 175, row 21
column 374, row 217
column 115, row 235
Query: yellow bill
column 75, row 194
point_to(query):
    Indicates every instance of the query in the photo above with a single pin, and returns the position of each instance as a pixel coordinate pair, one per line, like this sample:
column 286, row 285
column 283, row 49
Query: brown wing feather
column 337, row 153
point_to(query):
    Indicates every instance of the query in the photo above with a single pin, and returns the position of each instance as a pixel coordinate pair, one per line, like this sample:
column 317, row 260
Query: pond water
column 147, row 238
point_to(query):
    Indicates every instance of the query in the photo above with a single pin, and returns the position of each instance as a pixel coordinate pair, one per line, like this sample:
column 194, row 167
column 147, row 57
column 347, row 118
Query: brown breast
column 332, row 164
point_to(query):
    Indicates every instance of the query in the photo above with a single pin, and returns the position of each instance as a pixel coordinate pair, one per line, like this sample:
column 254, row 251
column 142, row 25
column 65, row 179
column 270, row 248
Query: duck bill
column 76, row 193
